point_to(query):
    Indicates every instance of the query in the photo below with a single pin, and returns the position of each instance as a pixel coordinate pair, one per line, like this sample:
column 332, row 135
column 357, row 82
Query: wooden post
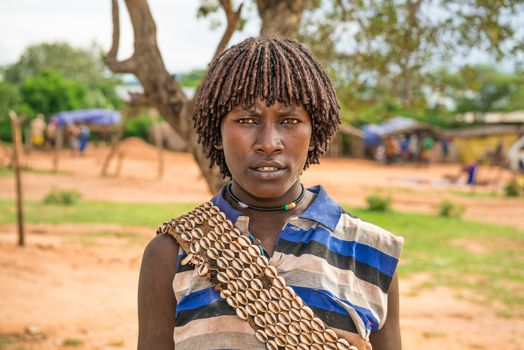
column 59, row 140
column 120, row 160
column 16, row 127
column 115, row 141
column 159, row 142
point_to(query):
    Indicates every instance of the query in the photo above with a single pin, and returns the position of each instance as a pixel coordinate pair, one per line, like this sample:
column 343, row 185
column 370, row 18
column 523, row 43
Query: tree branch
column 116, row 30
column 127, row 66
column 138, row 100
column 344, row 10
column 281, row 16
column 233, row 18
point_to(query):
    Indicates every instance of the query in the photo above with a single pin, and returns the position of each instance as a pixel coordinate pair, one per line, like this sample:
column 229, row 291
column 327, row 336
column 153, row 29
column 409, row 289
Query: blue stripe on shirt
column 363, row 253
column 326, row 300
column 180, row 257
column 197, row 299
column 317, row 298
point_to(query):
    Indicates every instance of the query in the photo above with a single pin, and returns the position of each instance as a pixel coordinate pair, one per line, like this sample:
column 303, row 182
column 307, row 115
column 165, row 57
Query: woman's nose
column 268, row 140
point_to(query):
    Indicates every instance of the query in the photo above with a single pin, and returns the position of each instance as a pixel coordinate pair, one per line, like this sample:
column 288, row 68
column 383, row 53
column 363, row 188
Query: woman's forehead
column 259, row 105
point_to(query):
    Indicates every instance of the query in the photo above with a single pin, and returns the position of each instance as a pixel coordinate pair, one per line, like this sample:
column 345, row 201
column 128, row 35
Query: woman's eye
column 290, row 121
column 246, row 121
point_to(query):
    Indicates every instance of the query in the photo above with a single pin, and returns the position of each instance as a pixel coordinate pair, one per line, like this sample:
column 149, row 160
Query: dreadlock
column 268, row 69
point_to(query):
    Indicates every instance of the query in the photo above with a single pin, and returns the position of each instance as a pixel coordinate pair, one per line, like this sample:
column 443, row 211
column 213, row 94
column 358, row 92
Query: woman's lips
column 267, row 168
column 267, row 173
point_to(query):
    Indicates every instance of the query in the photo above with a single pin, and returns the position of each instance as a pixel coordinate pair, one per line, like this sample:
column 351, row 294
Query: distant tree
column 49, row 93
column 83, row 66
column 480, row 89
column 191, row 78
column 381, row 53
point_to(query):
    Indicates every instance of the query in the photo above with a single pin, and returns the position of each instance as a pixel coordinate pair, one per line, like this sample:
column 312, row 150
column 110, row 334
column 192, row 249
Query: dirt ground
column 70, row 288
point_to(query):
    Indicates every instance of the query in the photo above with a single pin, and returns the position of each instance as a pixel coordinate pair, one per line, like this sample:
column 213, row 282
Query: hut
column 349, row 141
column 490, row 138
column 106, row 123
column 402, row 128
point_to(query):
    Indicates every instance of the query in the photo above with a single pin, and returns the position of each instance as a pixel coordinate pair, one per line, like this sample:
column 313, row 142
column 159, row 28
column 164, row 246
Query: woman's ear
column 311, row 146
column 219, row 147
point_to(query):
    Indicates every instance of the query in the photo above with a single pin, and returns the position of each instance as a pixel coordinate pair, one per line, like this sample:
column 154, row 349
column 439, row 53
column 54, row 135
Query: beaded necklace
column 284, row 207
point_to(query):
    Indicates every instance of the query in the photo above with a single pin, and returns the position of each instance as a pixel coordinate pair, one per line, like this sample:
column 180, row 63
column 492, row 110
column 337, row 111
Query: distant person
column 83, row 137
column 38, row 128
column 498, row 153
column 471, row 173
column 380, row 154
column 73, row 132
column 396, row 148
column 51, row 133
column 445, row 149
column 389, row 143
column 427, row 146
column 404, row 148
column 414, row 148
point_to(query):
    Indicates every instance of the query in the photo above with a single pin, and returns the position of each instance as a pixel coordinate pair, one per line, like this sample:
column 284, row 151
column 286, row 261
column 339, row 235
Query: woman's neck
column 241, row 196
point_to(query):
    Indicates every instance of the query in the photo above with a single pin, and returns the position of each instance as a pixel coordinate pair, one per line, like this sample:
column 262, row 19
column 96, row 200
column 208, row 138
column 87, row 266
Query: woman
column 265, row 112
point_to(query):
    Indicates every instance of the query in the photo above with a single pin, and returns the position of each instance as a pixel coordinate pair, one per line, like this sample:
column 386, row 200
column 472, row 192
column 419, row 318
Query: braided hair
column 272, row 70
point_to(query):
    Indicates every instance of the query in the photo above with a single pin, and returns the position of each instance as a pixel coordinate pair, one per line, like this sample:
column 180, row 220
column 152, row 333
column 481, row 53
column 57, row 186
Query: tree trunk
column 161, row 90
column 282, row 16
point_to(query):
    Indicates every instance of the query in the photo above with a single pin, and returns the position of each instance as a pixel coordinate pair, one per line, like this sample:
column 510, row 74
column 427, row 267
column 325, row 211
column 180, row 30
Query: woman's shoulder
column 164, row 244
column 352, row 228
column 163, row 248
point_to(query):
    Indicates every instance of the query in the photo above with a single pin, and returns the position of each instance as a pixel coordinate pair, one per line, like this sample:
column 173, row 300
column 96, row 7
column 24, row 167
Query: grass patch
column 9, row 341
column 482, row 195
column 73, row 342
column 116, row 343
column 62, row 197
column 86, row 212
column 6, row 172
column 5, row 340
column 447, row 208
column 378, row 202
column 10, row 171
column 484, row 258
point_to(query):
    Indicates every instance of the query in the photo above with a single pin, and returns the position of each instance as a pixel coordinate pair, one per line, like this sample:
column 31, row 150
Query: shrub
column 138, row 126
column 448, row 208
column 62, row 197
column 378, row 202
column 512, row 189
column 73, row 342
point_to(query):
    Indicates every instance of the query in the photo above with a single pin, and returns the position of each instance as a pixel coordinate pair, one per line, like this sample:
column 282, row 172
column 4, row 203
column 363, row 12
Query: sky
column 185, row 41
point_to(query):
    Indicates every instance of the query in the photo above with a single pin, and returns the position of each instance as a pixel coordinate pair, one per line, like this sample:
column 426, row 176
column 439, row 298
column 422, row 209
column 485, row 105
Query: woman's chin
column 267, row 190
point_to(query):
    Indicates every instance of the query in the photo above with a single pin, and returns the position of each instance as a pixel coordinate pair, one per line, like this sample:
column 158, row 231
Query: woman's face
column 266, row 147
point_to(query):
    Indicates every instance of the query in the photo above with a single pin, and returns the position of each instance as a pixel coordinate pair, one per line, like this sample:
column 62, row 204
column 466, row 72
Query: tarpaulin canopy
column 88, row 116
column 373, row 133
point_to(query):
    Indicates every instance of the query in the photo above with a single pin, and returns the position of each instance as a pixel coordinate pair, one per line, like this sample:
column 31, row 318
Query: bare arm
column 388, row 337
column 156, row 300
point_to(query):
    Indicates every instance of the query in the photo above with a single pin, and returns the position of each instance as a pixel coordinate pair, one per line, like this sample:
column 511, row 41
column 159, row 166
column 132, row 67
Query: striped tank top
column 339, row 265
